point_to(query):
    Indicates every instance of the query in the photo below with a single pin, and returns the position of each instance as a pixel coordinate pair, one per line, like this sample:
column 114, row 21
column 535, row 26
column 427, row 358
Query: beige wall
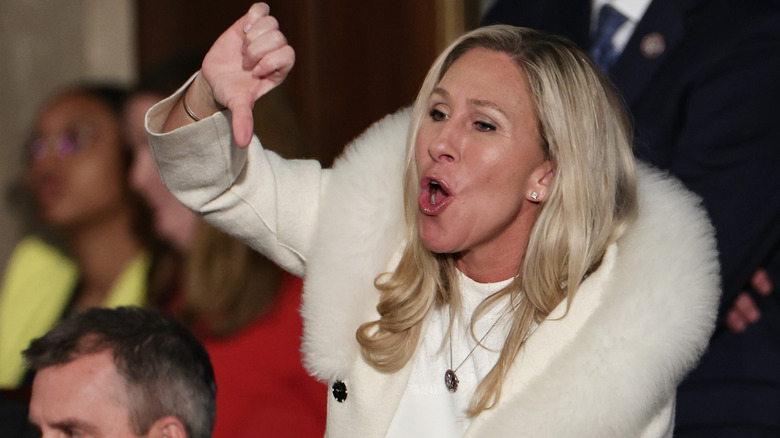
column 45, row 44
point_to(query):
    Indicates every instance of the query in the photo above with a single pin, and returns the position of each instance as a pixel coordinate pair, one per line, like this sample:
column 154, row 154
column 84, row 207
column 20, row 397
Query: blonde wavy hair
column 585, row 132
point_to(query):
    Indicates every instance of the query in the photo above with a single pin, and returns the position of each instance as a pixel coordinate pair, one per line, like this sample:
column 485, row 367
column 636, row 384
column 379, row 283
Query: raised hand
column 248, row 60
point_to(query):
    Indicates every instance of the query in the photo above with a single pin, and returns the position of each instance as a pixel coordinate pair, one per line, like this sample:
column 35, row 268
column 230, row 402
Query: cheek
column 513, row 171
column 33, row 174
column 491, row 172
column 101, row 178
column 425, row 136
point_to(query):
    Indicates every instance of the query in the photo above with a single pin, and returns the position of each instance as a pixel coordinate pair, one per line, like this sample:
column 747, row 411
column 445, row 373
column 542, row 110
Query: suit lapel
column 655, row 38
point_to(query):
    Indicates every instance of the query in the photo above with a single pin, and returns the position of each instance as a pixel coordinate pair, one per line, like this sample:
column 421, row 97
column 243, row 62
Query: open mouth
column 436, row 191
column 434, row 196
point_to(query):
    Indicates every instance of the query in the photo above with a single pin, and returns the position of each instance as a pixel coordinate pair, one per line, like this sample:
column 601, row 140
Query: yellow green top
column 38, row 283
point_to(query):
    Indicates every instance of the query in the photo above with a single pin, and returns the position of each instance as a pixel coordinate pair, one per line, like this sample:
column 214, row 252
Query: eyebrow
column 441, row 91
column 486, row 104
column 72, row 423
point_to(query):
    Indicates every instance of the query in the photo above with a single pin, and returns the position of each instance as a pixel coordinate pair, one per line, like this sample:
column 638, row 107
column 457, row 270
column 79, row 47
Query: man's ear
column 168, row 427
column 541, row 180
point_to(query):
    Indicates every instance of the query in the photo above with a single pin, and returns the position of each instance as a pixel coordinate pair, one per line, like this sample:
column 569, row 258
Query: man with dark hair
column 124, row 372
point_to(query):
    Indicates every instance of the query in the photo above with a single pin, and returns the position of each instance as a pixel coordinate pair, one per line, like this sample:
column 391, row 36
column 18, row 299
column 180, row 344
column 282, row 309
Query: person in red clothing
column 242, row 307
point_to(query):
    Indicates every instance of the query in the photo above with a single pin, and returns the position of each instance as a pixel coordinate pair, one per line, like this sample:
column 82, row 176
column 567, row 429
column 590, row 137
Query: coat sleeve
column 253, row 194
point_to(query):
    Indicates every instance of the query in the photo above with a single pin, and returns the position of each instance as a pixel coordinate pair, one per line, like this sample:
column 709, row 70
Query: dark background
column 355, row 60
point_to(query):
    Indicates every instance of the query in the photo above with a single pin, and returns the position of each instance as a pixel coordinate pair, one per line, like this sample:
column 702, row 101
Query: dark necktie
column 602, row 50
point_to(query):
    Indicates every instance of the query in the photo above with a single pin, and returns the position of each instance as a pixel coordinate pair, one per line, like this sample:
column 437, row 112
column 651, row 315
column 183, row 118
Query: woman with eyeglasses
column 76, row 174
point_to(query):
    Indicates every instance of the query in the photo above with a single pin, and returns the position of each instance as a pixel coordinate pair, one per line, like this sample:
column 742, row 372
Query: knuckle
column 253, row 51
column 271, row 22
column 278, row 38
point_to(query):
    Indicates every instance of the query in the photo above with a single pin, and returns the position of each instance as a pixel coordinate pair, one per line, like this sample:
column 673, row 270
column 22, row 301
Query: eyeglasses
column 64, row 145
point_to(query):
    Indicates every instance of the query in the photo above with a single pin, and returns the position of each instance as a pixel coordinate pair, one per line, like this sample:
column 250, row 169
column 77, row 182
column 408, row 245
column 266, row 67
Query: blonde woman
column 491, row 263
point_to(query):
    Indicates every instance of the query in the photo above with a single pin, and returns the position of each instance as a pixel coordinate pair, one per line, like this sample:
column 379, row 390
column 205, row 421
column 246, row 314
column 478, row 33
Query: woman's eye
column 437, row 115
column 484, row 126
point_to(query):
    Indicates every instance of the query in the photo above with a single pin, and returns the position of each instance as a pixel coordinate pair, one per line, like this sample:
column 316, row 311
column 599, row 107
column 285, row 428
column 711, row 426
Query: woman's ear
column 168, row 427
column 541, row 180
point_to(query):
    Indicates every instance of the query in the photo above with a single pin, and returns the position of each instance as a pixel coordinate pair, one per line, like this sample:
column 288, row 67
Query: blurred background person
column 77, row 176
column 700, row 80
column 240, row 305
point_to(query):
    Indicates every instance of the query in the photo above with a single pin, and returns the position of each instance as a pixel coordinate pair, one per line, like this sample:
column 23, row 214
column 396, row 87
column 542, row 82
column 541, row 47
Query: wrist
column 198, row 100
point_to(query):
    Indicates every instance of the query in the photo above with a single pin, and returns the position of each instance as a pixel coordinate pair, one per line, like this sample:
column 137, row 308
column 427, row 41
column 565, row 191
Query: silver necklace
column 450, row 378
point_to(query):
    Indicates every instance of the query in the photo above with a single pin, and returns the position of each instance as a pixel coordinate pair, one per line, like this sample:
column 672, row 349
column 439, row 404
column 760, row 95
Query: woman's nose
column 445, row 146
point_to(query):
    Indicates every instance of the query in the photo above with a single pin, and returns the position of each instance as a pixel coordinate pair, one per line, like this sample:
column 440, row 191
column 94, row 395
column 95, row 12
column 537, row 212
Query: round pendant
column 451, row 380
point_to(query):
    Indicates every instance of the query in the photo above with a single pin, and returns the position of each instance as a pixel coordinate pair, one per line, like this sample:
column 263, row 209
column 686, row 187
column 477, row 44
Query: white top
column 427, row 408
column 633, row 10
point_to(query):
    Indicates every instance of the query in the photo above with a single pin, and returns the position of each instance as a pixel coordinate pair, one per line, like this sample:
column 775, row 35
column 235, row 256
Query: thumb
column 243, row 124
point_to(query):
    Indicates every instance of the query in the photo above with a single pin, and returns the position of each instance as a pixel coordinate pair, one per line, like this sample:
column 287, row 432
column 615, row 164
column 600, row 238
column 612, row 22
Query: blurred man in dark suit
column 701, row 79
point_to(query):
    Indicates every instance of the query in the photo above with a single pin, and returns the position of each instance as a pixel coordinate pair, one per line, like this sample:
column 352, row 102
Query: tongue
column 437, row 194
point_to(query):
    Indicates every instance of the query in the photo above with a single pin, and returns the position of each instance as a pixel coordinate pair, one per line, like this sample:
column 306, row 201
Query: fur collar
column 361, row 226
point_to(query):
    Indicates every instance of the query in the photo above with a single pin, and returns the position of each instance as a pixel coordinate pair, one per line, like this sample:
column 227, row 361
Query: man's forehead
column 80, row 394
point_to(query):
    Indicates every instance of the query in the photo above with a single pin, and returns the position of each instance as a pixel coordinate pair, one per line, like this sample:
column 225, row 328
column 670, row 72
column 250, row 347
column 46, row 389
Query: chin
column 436, row 250
column 431, row 238
column 55, row 219
column 436, row 246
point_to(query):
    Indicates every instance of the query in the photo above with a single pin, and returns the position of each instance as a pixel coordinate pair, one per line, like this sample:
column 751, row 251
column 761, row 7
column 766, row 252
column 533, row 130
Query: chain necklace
column 450, row 378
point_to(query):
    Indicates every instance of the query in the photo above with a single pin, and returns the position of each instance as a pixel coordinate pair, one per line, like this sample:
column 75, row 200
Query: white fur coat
column 608, row 369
